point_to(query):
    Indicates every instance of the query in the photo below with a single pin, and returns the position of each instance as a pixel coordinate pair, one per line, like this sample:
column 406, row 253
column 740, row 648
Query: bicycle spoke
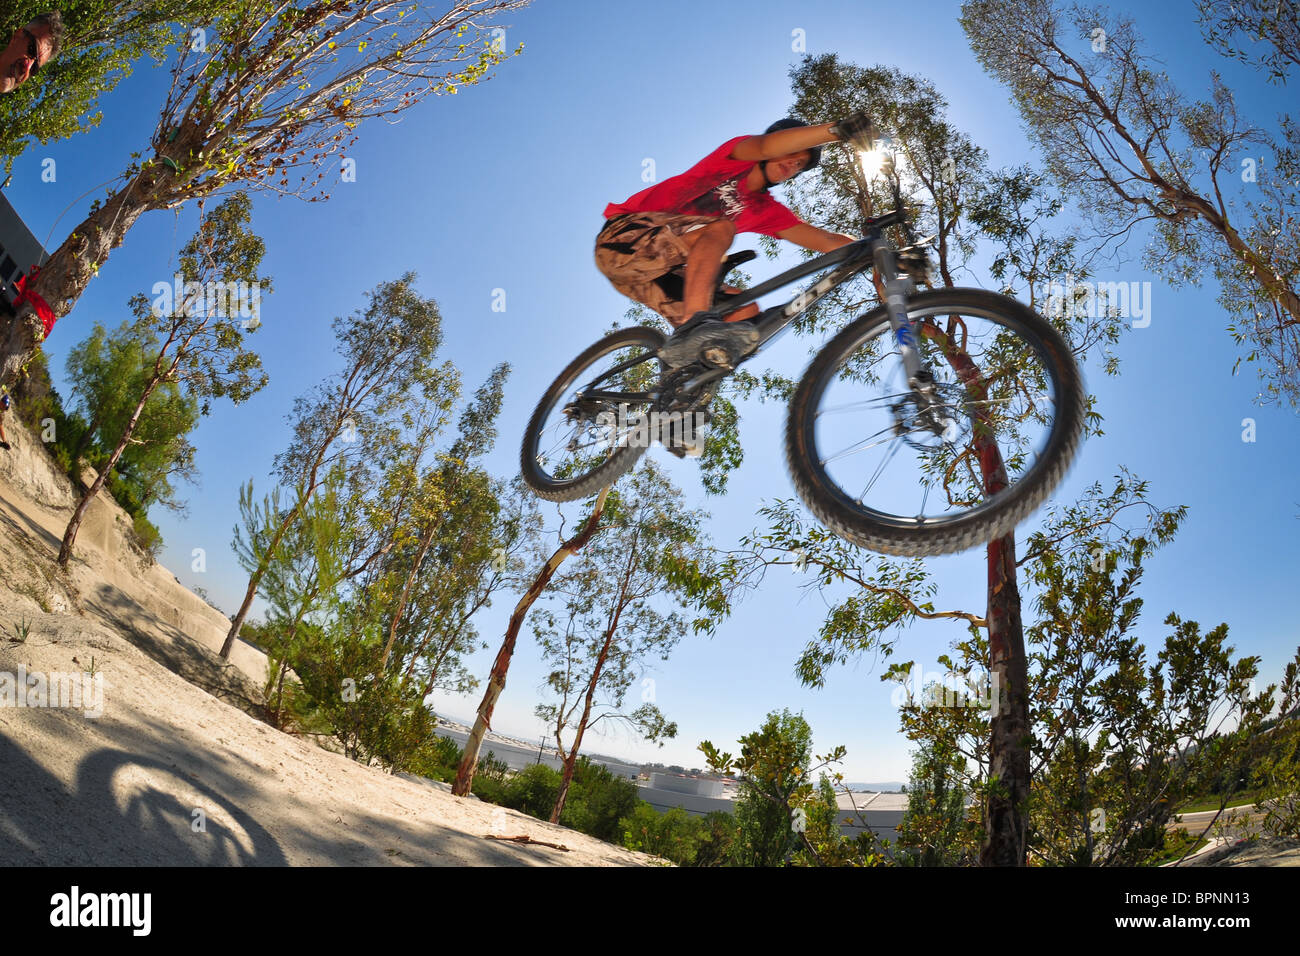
column 859, row 446
column 867, row 402
column 621, row 367
column 880, row 468
column 985, row 380
column 587, row 425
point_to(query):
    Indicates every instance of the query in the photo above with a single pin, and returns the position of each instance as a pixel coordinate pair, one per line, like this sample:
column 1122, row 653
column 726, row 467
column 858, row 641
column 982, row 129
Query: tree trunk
column 70, row 534
column 279, row 693
column 1007, row 811
column 1006, row 818
column 65, row 275
column 572, row 759
column 255, row 579
column 497, row 680
column 238, row 622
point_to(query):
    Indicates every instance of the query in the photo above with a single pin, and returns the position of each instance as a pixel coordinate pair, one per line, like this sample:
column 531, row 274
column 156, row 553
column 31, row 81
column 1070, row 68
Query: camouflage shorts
column 642, row 255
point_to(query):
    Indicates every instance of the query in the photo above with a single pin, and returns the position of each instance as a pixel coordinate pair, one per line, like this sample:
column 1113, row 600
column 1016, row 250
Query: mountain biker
column 30, row 48
column 690, row 219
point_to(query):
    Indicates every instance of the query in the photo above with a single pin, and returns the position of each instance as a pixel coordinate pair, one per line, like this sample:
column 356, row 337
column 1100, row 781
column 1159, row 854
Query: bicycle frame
column 872, row 250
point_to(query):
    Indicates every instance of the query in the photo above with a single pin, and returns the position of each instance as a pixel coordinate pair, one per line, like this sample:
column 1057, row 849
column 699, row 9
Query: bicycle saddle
column 673, row 282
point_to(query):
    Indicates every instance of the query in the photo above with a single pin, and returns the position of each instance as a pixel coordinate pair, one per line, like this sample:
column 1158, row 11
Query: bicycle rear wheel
column 590, row 426
column 868, row 458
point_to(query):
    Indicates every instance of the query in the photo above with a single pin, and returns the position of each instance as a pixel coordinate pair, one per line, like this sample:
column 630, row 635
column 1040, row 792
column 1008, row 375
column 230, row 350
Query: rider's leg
column 716, row 244
column 748, row 312
column 708, row 247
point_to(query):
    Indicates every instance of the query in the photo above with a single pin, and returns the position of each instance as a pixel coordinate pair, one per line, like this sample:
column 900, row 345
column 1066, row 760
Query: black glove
column 856, row 130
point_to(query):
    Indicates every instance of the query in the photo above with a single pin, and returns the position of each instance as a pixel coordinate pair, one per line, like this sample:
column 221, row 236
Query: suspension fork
column 894, row 291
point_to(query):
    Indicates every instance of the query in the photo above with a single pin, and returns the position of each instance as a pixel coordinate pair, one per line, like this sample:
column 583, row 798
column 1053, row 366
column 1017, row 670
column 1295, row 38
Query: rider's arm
column 782, row 143
column 819, row 240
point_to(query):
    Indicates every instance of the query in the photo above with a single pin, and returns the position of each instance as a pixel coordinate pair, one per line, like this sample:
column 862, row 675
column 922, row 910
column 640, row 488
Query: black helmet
column 790, row 123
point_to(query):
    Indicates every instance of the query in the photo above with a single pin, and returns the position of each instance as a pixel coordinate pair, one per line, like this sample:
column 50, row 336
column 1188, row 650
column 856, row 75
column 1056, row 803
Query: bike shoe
column 703, row 332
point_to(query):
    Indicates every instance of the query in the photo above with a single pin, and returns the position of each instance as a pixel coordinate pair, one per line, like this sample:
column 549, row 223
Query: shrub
column 490, row 779
column 674, row 835
column 533, row 791
column 718, row 833
column 437, row 758
column 598, row 801
column 147, row 538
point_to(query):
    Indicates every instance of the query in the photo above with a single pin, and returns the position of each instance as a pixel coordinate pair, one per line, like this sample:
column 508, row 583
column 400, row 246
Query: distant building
column 19, row 251
column 700, row 786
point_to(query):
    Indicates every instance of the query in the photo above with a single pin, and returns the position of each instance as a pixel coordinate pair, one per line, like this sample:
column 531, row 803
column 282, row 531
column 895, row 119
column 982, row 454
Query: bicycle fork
column 897, row 291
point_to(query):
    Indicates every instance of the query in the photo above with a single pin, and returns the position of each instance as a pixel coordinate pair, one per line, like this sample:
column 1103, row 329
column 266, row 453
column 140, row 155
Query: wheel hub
column 942, row 414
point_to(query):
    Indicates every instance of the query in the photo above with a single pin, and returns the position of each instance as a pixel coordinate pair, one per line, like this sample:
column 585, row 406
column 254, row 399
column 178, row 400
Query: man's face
column 28, row 50
column 785, row 167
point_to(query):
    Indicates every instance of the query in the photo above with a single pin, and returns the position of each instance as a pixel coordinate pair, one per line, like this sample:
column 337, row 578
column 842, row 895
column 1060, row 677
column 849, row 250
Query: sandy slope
column 172, row 772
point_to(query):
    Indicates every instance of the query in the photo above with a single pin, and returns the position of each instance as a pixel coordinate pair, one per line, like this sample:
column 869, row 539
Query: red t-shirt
column 715, row 186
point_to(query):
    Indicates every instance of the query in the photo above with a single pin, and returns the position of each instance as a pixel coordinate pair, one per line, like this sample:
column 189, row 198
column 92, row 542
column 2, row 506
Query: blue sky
column 502, row 187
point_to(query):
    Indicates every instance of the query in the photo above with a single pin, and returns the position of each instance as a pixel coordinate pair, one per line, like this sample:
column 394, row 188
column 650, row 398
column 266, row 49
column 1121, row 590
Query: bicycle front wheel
column 589, row 428
column 888, row 470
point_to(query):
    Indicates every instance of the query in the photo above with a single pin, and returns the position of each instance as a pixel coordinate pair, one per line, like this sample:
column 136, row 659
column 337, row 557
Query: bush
column 533, row 791
column 678, row 836
column 437, row 758
column 714, row 847
column 147, row 538
column 490, row 779
column 369, row 717
column 63, row 458
column 598, row 801
column 36, row 400
column 674, row 835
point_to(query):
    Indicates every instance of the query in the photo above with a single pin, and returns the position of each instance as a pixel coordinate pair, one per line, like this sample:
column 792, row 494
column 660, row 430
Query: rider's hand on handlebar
column 856, row 130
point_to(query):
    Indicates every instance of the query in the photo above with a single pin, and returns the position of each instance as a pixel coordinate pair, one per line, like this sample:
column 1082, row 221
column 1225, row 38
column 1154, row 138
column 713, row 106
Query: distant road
column 1196, row 822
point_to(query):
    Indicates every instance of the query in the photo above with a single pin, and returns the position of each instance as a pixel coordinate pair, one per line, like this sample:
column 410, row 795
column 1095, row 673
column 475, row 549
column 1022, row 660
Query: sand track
column 173, row 772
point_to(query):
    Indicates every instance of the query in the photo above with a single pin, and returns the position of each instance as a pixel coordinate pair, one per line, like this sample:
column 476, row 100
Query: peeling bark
column 66, row 274
column 497, row 680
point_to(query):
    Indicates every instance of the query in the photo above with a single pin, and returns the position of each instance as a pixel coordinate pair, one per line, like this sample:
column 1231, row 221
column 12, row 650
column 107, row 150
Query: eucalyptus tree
column 388, row 372
column 1135, row 151
column 196, row 340
column 1008, row 217
column 278, row 88
column 628, row 598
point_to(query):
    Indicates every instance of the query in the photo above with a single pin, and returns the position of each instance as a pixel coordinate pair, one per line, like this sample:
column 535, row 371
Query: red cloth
column 39, row 305
column 715, row 186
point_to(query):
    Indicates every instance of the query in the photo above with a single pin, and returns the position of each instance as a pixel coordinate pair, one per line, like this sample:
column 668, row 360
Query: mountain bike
column 972, row 398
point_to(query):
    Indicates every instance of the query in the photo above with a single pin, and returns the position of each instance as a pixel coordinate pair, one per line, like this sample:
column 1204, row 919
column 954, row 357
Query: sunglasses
column 33, row 53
